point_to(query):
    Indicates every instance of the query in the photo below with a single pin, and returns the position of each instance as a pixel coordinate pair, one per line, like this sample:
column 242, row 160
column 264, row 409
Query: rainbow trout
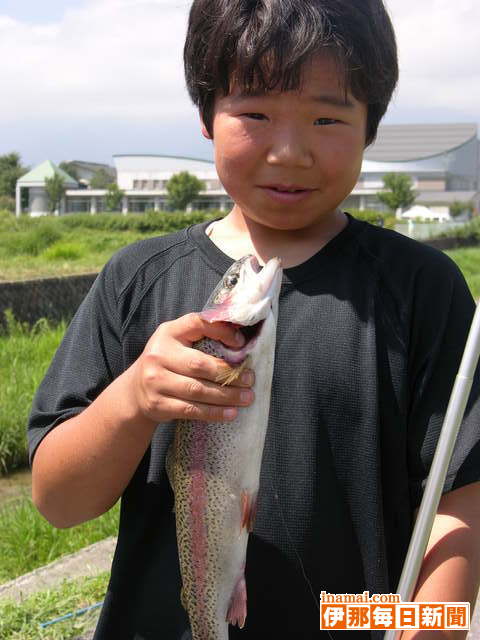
column 214, row 468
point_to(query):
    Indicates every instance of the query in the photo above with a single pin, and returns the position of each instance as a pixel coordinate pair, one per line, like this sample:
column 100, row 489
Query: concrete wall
column 52, row 298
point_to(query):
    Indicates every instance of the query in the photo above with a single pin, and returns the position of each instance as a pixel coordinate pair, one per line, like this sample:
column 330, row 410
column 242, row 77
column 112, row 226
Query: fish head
column 246, row 294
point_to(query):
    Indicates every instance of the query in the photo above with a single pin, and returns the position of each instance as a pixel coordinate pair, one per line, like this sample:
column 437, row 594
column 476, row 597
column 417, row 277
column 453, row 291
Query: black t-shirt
column 370, row 335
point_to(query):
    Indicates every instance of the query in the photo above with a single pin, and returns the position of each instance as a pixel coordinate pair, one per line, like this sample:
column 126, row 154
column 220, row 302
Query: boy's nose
column 289, row 148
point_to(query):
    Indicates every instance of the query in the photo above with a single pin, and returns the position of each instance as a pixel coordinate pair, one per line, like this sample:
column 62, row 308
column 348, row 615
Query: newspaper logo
column 386, row 611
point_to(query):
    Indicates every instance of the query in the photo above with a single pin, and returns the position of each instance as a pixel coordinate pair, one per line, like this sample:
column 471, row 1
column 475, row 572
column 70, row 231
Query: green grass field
column 469, row 262
column 72, row 253
column 80, row 243
column 28, row 541
column 26, row 354
column 22, row 621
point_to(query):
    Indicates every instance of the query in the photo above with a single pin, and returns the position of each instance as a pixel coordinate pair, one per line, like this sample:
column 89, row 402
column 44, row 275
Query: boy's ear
column 204, row 130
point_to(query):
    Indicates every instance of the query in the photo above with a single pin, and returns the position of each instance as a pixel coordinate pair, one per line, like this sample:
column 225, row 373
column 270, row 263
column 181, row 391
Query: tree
column 182, row 188
column 10, row 171
column 400, row 194
column 457, row 208
column 55, row 188
column 7, row 204
column 113, row 197
column 101, row 179
column 69, row 168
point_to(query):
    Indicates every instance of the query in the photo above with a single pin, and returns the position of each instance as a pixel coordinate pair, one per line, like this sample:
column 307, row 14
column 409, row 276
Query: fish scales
column 214, row 469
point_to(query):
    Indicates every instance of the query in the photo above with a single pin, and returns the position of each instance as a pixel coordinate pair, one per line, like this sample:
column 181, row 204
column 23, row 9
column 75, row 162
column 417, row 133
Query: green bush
column 469, row 232
column 8, row 221
column 7, row 204
column 64, row 251
column 31, row 241
column 372, row 216
column 147, row 222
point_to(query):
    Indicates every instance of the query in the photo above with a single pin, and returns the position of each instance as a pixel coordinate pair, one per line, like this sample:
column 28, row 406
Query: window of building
column 140, row 205
column 78, row 205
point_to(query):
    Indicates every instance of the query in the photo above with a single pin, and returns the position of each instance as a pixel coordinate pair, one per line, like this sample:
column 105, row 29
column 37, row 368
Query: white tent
column 419, row 212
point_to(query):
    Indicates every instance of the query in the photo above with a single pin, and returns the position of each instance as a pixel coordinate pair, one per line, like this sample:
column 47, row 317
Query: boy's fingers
column 191, row 327
column 196, row 364
column 181, row 410
column 201, row 391
column 191, row 363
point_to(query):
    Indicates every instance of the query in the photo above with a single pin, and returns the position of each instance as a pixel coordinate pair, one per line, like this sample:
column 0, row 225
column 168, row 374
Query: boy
column 371, row 330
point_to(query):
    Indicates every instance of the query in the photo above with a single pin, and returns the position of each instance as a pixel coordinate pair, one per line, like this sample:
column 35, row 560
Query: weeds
column 65, row 251
column 26, row 354
column 28, row 541
column 22, row 620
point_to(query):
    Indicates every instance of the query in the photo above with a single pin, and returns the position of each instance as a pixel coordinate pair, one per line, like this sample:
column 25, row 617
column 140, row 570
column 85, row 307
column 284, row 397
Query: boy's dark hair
column 265, row 43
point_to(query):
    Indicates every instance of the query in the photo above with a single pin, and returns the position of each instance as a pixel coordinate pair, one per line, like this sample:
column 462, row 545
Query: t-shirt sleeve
column 88, row 359
column 443, row 311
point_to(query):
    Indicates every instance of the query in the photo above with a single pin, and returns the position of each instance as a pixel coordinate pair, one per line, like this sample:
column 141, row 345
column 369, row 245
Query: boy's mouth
column 287, row 194
column 287, row 188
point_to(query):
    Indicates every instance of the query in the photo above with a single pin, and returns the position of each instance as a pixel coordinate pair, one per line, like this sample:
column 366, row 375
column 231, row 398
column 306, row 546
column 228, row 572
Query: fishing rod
column 436, row 478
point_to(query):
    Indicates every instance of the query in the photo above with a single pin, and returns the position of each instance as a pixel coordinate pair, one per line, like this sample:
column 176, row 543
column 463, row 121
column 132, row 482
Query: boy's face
column 309, row 139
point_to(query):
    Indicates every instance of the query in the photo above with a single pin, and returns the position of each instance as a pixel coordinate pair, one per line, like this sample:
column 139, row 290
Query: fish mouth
column 236, row 355
column 250, row 332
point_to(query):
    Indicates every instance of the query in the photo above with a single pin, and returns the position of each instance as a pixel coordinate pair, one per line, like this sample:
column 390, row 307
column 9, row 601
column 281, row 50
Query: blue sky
column 87, row 79
column 36, row 11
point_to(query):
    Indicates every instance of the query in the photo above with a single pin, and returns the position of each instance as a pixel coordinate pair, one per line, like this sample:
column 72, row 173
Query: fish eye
column 231, row 281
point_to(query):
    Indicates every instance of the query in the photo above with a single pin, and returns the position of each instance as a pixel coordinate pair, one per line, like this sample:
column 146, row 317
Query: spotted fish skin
column 214, row 468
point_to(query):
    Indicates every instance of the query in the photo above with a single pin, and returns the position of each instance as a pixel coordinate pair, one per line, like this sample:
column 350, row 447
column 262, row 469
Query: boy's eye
column 326, row 121
column 255, row 116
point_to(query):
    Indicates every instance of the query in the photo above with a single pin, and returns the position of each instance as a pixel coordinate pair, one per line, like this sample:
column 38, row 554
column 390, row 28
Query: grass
column 71, row 253
column 28, row 541
column 81, row 243
column 21, row 621
column 26, row 354
column 468, row 260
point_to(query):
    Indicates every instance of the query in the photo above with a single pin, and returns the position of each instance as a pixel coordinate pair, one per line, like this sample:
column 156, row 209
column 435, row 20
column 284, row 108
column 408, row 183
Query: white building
column 442, row 160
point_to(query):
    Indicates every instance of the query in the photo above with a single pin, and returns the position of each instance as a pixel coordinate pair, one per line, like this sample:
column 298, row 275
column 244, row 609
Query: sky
column 87, row 79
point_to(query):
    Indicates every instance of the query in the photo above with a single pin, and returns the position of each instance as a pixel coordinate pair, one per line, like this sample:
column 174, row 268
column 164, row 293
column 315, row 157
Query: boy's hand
column 171, row 380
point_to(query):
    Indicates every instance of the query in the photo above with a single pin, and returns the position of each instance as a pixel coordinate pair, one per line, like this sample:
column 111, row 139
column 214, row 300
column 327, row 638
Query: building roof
column 445, row 197
column 160, row 155
column 401, row 142
column 92, row 166
column 44, row 170
column 163, row 166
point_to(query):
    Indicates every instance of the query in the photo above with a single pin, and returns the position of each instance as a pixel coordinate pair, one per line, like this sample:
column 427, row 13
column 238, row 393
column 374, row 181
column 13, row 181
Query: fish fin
column 232, row 374
column 183, row 599
column 249, row 509
column 237, row 609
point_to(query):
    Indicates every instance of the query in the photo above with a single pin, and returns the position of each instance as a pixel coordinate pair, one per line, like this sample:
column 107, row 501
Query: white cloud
column 111, row 58
column 438, row 42
column 122, row 59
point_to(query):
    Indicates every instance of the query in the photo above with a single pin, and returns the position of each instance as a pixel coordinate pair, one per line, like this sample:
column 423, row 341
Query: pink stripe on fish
column 198, row 504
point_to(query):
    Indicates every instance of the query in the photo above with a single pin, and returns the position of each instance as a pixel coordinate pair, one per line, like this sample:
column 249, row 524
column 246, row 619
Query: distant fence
column 446, row 244
column 52, row 298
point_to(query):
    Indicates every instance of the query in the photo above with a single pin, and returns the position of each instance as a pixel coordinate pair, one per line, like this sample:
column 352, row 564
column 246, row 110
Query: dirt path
column 15, row 485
